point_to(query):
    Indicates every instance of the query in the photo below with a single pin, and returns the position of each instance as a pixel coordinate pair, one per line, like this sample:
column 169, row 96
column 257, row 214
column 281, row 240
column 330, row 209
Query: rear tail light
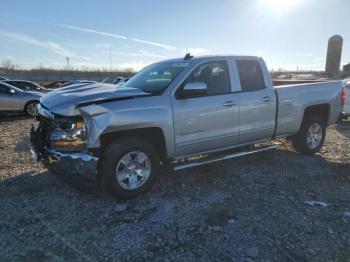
column 343, row 96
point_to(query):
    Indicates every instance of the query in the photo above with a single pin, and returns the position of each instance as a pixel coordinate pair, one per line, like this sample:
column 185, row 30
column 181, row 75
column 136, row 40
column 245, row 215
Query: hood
column 64, row 101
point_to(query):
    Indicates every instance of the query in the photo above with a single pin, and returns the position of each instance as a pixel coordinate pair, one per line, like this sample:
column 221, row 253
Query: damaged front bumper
column 75, row 167
column 344, row 115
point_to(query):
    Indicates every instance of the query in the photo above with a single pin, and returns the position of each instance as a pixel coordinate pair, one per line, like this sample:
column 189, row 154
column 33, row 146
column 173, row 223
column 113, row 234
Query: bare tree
column 7, row 66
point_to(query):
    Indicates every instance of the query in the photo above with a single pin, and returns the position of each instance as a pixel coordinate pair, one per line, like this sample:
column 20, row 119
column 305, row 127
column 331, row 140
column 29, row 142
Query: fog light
column 68, row 143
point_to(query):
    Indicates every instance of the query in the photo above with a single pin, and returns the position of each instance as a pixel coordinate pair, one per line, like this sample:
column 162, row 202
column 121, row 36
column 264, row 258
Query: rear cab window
column 250, row 75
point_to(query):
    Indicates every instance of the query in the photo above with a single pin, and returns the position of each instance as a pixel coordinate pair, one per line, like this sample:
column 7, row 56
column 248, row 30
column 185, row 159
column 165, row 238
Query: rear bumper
column 77, row 167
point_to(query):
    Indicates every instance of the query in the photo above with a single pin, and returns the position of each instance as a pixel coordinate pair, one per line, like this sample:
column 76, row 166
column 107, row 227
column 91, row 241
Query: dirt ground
column 252, row 208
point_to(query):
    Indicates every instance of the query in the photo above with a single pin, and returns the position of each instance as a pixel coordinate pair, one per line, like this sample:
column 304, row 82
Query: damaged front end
column 60, row 143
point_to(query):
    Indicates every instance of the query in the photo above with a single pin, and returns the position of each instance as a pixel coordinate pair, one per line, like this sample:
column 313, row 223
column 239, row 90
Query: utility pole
column 67, row 62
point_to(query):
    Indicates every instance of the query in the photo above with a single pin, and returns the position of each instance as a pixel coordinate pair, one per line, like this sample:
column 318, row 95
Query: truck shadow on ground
column 343, row 128
column 10, row 118
column 284, row 163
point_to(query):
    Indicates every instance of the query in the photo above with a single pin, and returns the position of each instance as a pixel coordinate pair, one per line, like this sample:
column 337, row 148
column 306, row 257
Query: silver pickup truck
column 177, row 114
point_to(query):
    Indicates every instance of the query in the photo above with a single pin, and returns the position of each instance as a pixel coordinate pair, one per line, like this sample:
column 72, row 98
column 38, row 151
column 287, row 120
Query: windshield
column 156, row 78
column 25, row 86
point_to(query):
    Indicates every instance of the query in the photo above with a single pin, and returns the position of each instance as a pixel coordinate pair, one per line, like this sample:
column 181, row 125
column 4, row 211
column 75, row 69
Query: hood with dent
column 64, row 101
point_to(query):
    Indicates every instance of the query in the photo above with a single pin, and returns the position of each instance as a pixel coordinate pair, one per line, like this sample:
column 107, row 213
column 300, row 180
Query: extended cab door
column 257, row 102
column 207, row 122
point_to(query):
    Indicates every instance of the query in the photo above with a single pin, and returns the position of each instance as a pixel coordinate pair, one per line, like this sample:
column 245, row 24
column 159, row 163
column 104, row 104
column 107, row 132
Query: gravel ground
column 247, row 209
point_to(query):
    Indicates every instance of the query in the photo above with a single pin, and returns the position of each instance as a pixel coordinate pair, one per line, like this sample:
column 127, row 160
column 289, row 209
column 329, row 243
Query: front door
column 210, row 121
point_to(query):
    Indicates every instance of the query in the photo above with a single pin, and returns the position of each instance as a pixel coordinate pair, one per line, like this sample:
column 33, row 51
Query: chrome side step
column 219, row 157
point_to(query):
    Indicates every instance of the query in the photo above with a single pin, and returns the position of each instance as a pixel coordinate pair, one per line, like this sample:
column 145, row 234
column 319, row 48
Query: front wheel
column 31, row 108
column 311, row 135
column 130, row 167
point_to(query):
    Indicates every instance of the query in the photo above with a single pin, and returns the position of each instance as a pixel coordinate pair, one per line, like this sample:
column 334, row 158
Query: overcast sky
column 286, row 33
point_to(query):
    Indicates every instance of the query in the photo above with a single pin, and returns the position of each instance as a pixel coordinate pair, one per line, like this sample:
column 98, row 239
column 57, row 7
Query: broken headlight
column 69, row 135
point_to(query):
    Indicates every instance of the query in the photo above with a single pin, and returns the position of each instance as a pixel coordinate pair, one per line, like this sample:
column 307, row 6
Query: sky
column 120, row 34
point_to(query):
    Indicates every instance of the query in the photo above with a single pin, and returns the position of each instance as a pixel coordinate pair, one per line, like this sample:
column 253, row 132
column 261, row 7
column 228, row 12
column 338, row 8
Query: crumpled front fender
column 131, row 114
column 97, row 119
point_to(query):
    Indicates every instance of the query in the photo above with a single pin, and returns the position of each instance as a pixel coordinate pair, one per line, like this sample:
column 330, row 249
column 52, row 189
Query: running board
column 220, row 157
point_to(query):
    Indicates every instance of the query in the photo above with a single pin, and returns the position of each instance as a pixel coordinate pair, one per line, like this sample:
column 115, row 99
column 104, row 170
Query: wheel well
column 321, row 110
column 153, row 135
column 25, row 106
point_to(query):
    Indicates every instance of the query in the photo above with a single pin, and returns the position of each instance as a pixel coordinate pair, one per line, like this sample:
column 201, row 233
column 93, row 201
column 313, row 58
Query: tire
column 29, row 108
column 121, row 178
column 308, row 141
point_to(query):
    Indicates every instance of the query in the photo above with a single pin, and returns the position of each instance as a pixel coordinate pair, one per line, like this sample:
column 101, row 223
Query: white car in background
column 346, row 98
column 14, row 100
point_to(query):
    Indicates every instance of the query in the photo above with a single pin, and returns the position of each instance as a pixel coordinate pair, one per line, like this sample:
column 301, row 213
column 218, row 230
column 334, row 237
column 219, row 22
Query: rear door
column 257, row 107
column 211, row 121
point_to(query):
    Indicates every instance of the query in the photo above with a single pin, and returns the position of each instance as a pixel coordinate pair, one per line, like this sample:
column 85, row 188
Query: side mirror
column 194, row 89
column 12, row 92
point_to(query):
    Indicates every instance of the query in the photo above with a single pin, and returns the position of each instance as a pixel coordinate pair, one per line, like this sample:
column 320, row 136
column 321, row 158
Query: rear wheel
column 31, row 108
column 311, row 135
column 130, row 167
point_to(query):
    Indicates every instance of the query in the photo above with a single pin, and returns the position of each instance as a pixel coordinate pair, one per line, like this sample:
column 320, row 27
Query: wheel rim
column 32, row 109
column 314, row 135
column 133, row 170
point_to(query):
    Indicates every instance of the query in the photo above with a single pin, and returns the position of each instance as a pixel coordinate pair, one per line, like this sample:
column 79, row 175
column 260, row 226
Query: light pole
column 67, row 62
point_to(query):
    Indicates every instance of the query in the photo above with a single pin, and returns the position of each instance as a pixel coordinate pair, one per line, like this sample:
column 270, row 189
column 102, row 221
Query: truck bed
column 294, row 99
column 282, row 82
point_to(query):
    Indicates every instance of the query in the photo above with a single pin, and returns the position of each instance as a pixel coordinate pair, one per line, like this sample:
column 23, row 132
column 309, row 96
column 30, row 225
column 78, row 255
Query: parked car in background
column 3, row 78
column 115, row 80
column 27, row 86
column 179, row 113
column 55, row 84
column 14, row 100
column 123, row 81
column 346, row 98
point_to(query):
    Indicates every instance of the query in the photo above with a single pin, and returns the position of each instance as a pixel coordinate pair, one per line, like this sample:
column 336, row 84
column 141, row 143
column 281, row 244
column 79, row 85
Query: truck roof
column 204, row 57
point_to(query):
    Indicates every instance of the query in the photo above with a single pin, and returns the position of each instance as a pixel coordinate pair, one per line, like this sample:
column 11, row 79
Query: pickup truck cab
column 177, row 113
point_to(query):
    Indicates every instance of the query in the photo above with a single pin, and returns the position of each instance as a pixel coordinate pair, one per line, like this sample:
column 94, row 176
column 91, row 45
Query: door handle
column 266, row 99
column 229, row 104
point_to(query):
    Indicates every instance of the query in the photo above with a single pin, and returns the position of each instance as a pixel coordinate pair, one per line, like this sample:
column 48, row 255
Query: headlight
column 69, row 136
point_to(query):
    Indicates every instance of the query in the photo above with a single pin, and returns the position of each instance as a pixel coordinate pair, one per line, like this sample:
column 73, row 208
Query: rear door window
column 250, row 75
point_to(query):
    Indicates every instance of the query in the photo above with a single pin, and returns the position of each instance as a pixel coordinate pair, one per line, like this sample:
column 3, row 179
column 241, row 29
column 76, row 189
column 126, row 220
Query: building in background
column 335, row 45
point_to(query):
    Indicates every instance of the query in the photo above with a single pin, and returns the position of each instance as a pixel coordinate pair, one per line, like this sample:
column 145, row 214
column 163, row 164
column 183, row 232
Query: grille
column 45, row 128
